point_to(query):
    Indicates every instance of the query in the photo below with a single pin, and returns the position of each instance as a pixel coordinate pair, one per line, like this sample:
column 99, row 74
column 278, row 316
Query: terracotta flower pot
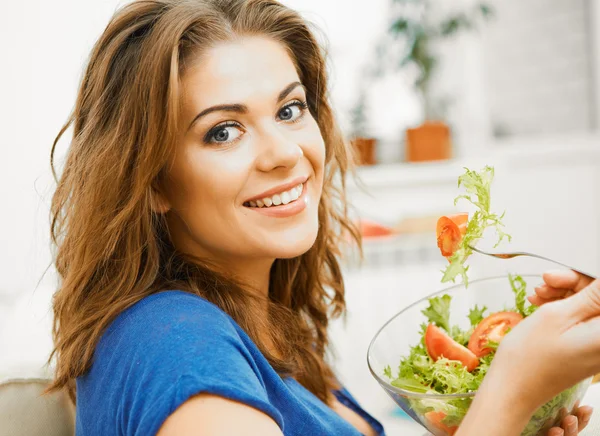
column 364, row 150
column 430, row 141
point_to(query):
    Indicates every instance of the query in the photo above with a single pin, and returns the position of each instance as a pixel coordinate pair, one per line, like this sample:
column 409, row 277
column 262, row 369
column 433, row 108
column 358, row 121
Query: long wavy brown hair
column 112, row 249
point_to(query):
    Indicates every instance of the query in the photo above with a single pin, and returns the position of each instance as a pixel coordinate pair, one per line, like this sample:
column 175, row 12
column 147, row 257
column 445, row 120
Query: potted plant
column 364, row 145
column 414, row 25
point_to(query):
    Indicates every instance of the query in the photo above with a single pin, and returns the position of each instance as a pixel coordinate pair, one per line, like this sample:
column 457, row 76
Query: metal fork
column 522, row 253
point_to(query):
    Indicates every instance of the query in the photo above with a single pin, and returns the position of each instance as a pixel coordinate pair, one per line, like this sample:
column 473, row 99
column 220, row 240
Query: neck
column 254, row 275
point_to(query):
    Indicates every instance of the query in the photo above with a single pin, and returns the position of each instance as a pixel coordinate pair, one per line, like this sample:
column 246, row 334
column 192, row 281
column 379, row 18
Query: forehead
column 237, row 72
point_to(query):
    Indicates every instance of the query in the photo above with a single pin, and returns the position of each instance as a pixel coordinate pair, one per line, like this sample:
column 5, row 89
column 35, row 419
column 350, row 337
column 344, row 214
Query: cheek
column 314, row 149
column 207, row 183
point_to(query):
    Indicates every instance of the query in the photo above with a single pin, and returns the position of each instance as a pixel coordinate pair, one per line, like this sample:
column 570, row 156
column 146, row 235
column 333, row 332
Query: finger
column 548, row 292
column 536, row 300
column 556, row 431
column 563, row 413
column 567, row 279
column 569, row 424
column 584, row 414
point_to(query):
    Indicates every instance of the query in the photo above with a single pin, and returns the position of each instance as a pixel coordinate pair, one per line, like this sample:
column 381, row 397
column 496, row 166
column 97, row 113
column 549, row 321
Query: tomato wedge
column 493, row 328
column 450, row 231
column 439, row 344
column 435, row 419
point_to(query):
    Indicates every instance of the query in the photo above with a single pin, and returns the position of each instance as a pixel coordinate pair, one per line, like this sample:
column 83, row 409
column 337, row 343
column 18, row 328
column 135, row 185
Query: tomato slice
column 493, row 328
column 435, row 419
column 450, row 231
column 439, row 344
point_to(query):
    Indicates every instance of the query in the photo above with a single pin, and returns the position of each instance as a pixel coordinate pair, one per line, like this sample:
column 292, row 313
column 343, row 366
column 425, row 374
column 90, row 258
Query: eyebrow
column 241, row 108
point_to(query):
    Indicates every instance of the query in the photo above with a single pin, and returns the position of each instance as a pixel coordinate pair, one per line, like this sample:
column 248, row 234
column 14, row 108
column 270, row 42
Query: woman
column 198, row 221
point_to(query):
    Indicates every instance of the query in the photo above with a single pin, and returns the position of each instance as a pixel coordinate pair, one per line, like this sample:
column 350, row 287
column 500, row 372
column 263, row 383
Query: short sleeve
column 170, row 347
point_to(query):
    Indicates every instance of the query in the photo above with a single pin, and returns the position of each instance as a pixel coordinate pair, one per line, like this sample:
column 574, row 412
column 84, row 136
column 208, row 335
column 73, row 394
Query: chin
column 294, row 245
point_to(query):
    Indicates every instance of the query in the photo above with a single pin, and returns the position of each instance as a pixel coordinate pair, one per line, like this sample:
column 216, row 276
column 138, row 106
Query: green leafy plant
column 415, row 27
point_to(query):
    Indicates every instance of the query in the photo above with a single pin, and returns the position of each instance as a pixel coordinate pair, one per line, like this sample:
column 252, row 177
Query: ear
column 158, row 201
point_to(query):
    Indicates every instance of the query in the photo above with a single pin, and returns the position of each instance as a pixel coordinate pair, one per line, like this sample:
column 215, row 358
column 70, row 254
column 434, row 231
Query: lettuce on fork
column 477, row 186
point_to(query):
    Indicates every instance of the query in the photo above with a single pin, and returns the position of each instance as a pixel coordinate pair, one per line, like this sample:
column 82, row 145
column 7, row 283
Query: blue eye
column 223, row 133
column 288, row 114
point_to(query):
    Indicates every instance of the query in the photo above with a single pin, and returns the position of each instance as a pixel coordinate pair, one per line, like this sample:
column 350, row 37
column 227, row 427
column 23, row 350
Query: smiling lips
column 282, row 204
column 284, row 197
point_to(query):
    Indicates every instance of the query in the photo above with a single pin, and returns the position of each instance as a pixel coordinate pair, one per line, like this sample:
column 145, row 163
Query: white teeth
column 277, row 199
column 296, row 192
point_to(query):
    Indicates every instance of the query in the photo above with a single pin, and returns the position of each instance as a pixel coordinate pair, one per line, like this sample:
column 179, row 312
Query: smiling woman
column 198, row 228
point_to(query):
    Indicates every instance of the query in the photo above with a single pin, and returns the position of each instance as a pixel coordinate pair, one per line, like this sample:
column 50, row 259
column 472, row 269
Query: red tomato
column 493, row 328
column 435, row 419
column 450, row 231
column 439, row 344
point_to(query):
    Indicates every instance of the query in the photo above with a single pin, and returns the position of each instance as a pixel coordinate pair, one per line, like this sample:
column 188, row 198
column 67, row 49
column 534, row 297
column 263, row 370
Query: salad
column 456, row 233
column 454, row 360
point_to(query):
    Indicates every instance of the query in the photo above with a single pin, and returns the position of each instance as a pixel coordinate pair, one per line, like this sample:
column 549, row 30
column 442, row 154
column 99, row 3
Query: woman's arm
column 211, row 415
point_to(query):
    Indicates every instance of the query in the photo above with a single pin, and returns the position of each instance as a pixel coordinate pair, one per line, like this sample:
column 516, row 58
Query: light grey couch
column 24, row 411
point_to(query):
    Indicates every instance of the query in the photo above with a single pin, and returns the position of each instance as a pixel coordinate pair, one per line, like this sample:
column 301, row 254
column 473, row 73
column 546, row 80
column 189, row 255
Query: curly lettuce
column 519, row 288
column 477, row 186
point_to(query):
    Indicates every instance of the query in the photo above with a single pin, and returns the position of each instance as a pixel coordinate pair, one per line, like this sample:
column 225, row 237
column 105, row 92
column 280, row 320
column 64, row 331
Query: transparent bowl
column 394, row 340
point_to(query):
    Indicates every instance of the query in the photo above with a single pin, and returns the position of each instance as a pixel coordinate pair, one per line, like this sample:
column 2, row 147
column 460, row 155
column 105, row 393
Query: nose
column 276, row 149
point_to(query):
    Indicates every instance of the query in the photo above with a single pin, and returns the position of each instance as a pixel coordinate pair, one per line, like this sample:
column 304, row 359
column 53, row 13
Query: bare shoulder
column 211, row 415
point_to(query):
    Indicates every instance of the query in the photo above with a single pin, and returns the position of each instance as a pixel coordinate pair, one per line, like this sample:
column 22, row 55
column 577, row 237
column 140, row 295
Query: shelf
column 514, row 152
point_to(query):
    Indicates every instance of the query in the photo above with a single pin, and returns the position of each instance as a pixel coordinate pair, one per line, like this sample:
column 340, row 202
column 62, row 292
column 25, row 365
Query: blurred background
column 423, row 88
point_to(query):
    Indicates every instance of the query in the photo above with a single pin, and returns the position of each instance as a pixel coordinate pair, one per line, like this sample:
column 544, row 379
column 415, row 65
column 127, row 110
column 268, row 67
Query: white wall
column 595, row 26
column 43, row 45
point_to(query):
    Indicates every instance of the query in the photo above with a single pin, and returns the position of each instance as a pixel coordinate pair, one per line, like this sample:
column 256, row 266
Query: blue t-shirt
column 173, row 345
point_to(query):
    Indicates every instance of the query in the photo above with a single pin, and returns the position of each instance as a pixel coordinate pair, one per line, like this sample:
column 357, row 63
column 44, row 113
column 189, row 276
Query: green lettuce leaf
column 438, row 312
column 477, row 186
column 519, row 287
column 476, row 315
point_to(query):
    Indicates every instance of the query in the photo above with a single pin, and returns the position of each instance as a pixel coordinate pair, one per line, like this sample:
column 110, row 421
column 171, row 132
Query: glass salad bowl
column 441, row 413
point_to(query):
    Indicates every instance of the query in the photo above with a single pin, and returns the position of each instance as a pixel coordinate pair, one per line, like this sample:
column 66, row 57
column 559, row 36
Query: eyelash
column 209, row 136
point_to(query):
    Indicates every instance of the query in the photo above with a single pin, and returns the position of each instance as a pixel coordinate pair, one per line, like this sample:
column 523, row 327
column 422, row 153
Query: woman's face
column 248, row 173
